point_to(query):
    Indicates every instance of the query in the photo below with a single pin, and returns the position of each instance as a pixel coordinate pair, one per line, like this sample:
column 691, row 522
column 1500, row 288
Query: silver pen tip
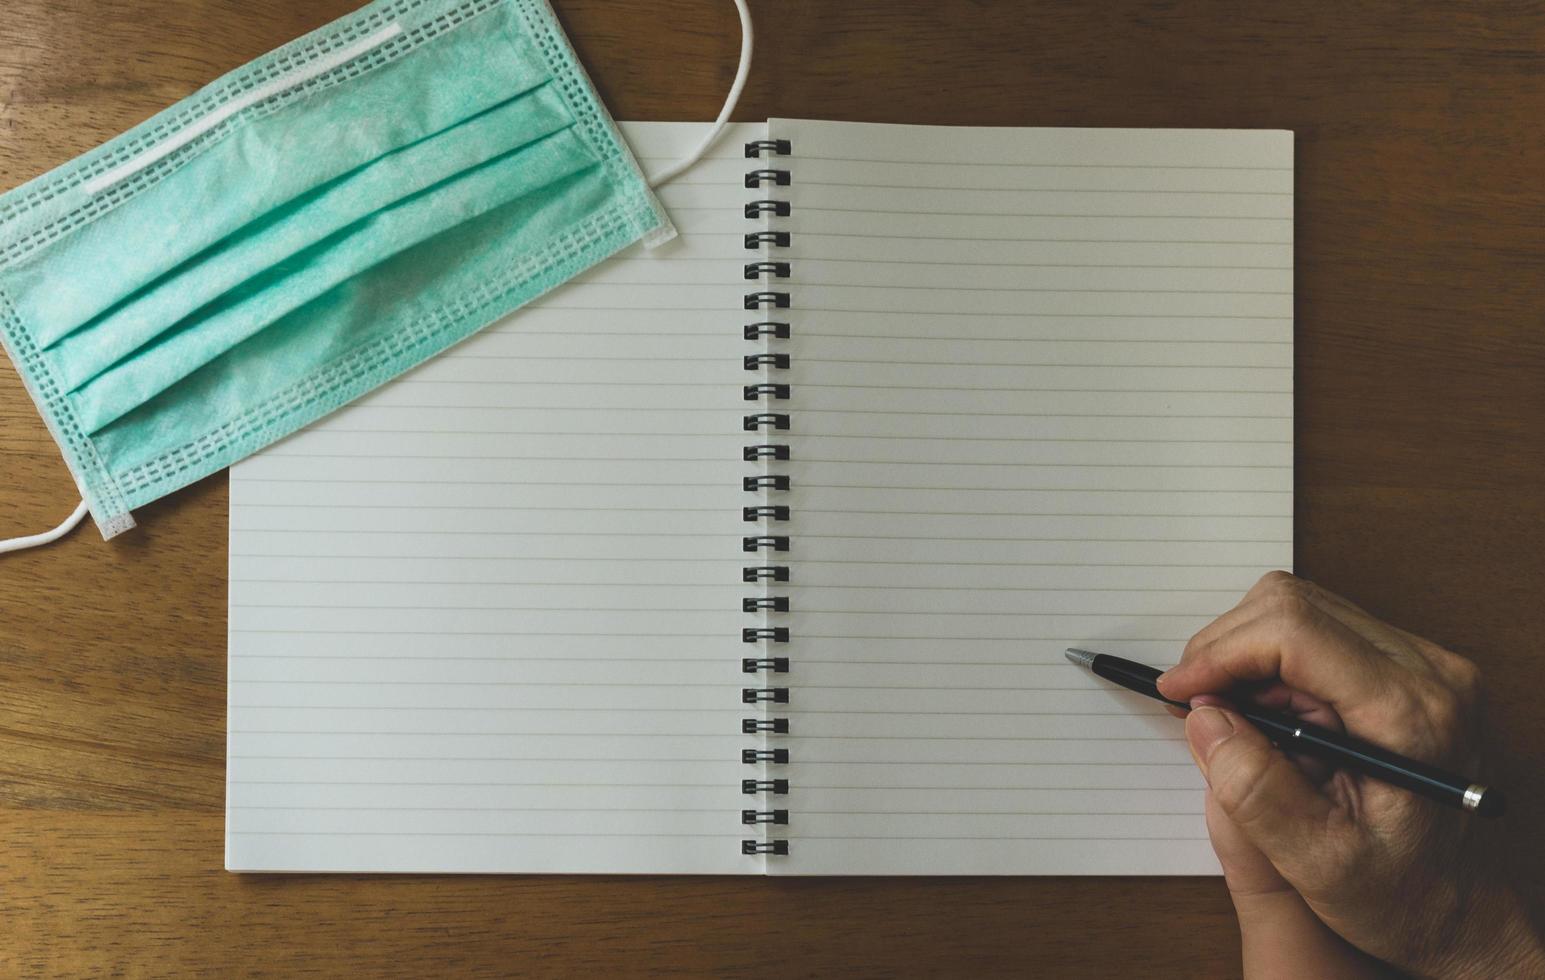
column 1082, row 658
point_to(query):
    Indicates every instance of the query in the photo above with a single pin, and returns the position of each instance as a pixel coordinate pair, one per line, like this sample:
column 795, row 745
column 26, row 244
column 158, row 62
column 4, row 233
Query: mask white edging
column 730, row 101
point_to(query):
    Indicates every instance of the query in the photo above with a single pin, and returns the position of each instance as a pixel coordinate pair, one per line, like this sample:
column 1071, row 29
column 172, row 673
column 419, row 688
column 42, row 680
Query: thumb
column 1261, row 791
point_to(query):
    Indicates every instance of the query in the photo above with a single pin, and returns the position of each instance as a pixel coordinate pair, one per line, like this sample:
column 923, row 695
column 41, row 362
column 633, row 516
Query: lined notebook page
column 1042, row 398
column 487, row 618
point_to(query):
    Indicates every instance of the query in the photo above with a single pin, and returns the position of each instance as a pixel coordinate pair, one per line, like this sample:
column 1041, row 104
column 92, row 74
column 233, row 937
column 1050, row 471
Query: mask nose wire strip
column 47, row 537
column 675, row 169
column 664, row 176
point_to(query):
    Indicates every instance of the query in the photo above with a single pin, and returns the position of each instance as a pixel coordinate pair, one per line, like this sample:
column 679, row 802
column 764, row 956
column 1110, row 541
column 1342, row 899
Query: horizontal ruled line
column 518, row 758
column 888, row 338
column 999, row 537
column 803, row 561
column 481, row 356
column 808, row 233
column 803, row 411
column 447, row 833
column 727, row 434
column 726, row 759
column 698, row 809
column 330, row 555
column 741, row 710
column 396, row 632
column 720, row 510
column 714, row 333
column 727, row 460
column 1102, row 613
column 735, row 586
column 1037, row 214
column 483, row 532
column 1042, row 289
column 393, row 658
column 1024, row 513
column 644, row 836
column 482, row 483
column 796, row 836
column 1021, row 439
column 869, row 361
column 531, row 459
column 526, row 408
column 333, row 782
column 1030, row 466
column 1044, row 388
column 570, row 384
column 920, row 313
column 1038, row 190
column 957, row 314
column 1059, row 765
column 846, row 537
column 869, row 486
column 351, row 505
column 725, row 685
column 471, row 809
column 802, row 256
column 723, row 610
column 413, row 707
column 986, row 639
column 781, row 739
column 1034, row 166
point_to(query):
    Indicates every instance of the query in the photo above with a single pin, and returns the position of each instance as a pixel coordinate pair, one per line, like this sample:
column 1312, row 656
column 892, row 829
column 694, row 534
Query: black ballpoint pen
column 1293, row 735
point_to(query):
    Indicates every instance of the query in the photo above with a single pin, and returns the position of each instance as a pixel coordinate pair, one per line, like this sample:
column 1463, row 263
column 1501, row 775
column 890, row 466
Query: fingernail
column 1162, row 678
column 1207, row 727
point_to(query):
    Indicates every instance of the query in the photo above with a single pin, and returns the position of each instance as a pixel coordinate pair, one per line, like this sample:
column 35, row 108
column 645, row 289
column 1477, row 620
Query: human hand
column 1312, row 858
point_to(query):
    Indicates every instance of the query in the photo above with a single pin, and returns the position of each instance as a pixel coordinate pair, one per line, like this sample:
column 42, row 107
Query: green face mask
column 303, row 230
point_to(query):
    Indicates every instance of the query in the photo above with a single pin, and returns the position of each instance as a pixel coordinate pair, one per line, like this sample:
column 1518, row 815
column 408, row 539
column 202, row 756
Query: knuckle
column 1406, row 705
column 1277, row 582
column 1194, row 646
column 1466, row 678
column 1293, row 609
column 1442, row 708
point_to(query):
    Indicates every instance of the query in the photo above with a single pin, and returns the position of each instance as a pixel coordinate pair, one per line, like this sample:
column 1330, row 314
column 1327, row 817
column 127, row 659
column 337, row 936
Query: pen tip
column 1082, row 658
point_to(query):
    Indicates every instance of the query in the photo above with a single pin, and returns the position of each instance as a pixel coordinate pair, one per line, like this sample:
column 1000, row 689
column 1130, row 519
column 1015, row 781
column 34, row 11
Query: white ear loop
column 675, row 169
column 664, row 176
column 47, row 537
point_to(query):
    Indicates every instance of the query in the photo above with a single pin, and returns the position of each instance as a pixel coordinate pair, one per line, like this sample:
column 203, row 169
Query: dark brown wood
column 1421, row 458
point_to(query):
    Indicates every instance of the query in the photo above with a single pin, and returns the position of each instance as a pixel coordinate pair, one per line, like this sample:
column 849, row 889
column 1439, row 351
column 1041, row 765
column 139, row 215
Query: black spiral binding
column 768, row 513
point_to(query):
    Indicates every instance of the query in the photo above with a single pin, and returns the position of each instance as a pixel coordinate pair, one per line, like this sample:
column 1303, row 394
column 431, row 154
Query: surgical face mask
column 305, row 229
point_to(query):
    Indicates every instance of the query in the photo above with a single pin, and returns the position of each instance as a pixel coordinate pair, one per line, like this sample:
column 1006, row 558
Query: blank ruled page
column 1042, row 398
column 487, row 618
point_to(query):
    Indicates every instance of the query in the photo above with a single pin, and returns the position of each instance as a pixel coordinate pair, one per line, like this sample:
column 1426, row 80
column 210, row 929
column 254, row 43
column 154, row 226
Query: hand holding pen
column 1327, row 868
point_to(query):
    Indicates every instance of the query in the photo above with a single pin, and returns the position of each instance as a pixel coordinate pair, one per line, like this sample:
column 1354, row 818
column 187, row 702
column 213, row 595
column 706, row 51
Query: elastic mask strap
column 675, row 169
column 47, row 537
column 664, row 176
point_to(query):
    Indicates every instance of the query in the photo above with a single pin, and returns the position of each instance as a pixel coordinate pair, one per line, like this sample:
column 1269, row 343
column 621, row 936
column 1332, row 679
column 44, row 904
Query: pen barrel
column 1136, row 677
column 1292, row 735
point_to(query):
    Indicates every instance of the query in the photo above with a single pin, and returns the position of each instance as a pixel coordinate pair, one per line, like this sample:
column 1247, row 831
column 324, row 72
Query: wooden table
column 1421, row 462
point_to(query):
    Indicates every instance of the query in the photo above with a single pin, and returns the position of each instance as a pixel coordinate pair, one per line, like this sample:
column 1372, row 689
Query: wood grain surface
column 1421, row 458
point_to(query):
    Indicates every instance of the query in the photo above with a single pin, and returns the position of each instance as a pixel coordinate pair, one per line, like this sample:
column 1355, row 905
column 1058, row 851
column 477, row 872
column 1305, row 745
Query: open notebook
column 639, row 580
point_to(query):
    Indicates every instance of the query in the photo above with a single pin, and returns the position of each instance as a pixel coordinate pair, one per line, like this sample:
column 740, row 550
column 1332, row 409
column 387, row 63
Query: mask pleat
column 312, row 273
column 167, row 304
column 455, row 265
column 290, row 151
